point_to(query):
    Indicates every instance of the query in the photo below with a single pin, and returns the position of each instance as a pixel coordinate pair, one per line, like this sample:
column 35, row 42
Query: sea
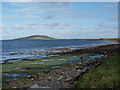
column 29, row 49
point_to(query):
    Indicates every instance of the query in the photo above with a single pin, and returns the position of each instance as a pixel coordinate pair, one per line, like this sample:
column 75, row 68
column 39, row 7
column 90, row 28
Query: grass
column 103, row 76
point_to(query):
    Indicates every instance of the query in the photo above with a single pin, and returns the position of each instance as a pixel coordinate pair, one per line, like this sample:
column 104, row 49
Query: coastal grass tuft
column 103, row 76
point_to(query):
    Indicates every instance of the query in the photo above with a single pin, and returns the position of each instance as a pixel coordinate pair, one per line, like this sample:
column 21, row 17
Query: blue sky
column 60, row 20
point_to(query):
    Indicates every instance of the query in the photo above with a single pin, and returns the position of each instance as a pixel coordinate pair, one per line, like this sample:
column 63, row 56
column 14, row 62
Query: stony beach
column 65, row 76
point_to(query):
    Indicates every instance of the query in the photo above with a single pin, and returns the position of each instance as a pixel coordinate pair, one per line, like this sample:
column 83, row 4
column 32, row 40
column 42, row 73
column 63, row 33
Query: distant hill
column 36, row 37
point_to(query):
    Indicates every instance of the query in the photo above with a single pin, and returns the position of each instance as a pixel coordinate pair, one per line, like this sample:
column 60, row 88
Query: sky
column 70, row 20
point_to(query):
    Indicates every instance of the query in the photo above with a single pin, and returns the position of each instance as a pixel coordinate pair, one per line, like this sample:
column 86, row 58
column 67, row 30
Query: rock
column 60, row 77
column 13, row 53
column 28, row 68
column 81, row 67
column 68, row 79
column 35, row 86
column 49, row 78
column 79, row 63
column 78, row 70
column 47, row 71
column 81, row 57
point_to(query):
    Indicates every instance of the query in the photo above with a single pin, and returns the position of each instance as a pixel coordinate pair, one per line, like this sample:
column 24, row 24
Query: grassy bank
column 103, row 76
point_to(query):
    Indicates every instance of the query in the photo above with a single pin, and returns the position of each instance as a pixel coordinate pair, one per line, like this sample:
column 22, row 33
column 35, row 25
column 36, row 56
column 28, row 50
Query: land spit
column 65, row 76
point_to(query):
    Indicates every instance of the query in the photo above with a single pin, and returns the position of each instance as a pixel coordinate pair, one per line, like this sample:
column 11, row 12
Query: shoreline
column 80, row 49
column 48, row 52
column 48, row 77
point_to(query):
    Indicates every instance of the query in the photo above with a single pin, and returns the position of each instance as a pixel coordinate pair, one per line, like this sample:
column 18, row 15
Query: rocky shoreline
column 65, row 76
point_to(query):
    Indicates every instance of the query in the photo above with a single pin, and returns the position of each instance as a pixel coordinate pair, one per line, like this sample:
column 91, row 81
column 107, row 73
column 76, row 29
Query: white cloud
column 114, row 18
column 49, row 10
column 52, row 24
column 27, row 25
column 2, row 26
column 31, row 9
column 18, row 26
column 48, row 17
column 56, row 25
column 32, row 23
column 37, row 25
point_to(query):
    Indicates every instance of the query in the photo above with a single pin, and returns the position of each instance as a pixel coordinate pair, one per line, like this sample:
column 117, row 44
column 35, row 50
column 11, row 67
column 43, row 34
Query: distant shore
column 111, row 39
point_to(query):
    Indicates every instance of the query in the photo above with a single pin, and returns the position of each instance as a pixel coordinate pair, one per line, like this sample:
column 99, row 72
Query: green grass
column 103, row 76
